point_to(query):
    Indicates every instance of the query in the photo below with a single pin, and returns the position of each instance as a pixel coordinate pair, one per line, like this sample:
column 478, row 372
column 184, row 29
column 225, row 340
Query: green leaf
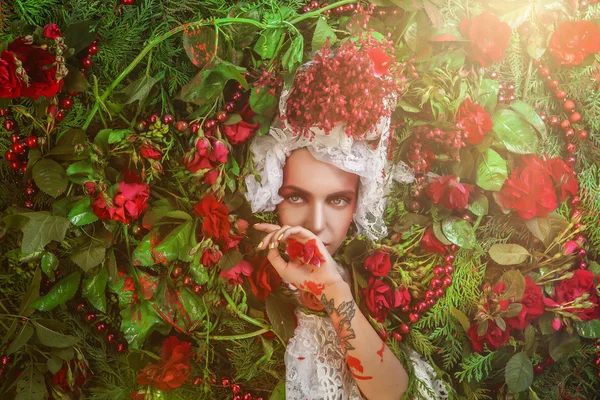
column 82, row 212
column 464, row 168
column 72, row 137
column 138, row 90
column 144, row 253
column 515, row 132
column 462, row 318
column 51, row 338
column 528, row 112
column 59, row 294
column 50, row 177
column 157, row 211
column 80, row 172
column 480, row 205
column 588, row 329
column 139, row 321
column 540, row 227
column 75, row 81
column 178, row 243
column 262, row 102
column 322, row 32
column 54, row 364
column 491, row 171
column 49, row 264
column 488, row 94
column 294, row 54
column 459, row 232
column 267, row 42
column 66, row 354
column 281, row 317
column 21, row 339
column 80, row 35
column 31, row 385
column 530, row 340
column 519, row 372
column 118, row 135
column 562, row 344
column 41, row 229
column 199, row 44
column 279, row 392
column 508, row 254
column 89, row 255
column 94, row 289
column 230, row 260
column 203, row 87
column 515, row 285
column 198, row 271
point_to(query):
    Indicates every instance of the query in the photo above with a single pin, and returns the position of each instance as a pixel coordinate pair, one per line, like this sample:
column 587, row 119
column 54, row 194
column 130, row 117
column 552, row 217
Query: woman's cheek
column 292, row 215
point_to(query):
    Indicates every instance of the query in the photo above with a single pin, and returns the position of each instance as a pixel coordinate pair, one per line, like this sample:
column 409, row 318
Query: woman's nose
column 317, row 218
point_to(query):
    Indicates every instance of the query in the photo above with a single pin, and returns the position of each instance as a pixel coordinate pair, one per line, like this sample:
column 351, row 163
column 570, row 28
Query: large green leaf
column 519, row 372
column 281, row 317
column 203, row 87
column 82, row 212
column 139, row 89
column 230, row 259
column 262, row 102
column 508, row 254
column 588, row 329
column 31, row 385
column 267, row 42
column 40, row 229
column 515, row 285
column 530, row 115
column 21, row 339
column 51, row 338
column 49, row 262
column 491, row 171
column 294, row 54
column 59, row 294
column 79, row 35
column 515, row 132
column 563, row 344
column 89, row 255
column 144, row 254
column 479, row 205
column 94, row 289
column 139, row 320
column 178, row 243
column 322, row 32
column 50, row 177
column 459, row 232
column 80, row 172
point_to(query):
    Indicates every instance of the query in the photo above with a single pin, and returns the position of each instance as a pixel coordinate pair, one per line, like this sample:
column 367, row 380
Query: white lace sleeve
column 316, row 368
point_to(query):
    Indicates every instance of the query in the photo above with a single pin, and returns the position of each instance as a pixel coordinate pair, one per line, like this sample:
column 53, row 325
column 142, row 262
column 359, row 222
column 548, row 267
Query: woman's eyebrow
column 343, row 193
column 294, row 188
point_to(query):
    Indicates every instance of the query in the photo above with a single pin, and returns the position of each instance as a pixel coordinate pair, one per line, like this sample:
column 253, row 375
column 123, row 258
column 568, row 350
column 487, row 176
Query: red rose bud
column 216, row 217
column 378, row 263
column 573, row 41
column 241, row 225
column 570, row 247
column 493, row 338
column 234, row 275
column 51, row 31
column 174, row 368
column 381, row 298
column 264, row 278
column 488, row 35
column 149, row 151
column 219, row 152
column 10, row 85
column 211, row 176
column 211, row 256
column 448, row 192
column 308, row 252
column 557, row 324
column 90, row 188
column 243, row 130
column 474, row 120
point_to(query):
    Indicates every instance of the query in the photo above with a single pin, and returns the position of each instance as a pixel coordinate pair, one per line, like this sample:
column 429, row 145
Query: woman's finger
column 298, row 231
column 265, row 241
column 264, row 227
column 277, row 235
column 277, row 261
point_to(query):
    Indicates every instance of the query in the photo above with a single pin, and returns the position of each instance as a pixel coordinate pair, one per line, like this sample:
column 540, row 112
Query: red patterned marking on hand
column 380, row 352
column 355, row 365
column 315, row 288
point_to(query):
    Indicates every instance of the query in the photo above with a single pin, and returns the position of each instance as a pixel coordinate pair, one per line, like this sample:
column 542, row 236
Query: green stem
column 320, row 11
column 241, row 314
column 237, row 337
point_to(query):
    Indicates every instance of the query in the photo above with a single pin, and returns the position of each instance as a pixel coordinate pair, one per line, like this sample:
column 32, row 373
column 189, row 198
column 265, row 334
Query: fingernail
column 259, row 245
column 271, row 245
column 258, row 223
column 280, row 236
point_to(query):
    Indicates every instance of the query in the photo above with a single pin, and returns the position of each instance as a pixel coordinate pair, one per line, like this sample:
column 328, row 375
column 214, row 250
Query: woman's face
column 317, row 196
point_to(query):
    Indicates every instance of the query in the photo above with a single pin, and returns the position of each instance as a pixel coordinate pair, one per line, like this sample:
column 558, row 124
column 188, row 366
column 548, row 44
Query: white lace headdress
column 360, row 157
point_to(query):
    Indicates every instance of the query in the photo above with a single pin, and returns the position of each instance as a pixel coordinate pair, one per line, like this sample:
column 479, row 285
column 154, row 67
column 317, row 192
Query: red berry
column 15, row 164
column 225, row 381
column 5, row 360
column 571, row 148
column 167, row 119
column 90, row 317
column 235, row 388
column 198, row 381
column 195, row 128
column 538, row 369
column 23, row 168
column 177, row 272
column 210, row 124
column 552, row 84
column 66, row 103
column 14, row 138
column 405, row 329
column 449, row 269
column 397, row 336
column 9, row 124
column 569, row 106
column 544, row 72
column 111, row 337
column 582, row 134
column 101, row 327
column 121, row 347
column 31, row 141
column 221, row 116
column 230, row 106
column 182, row 126
column 60, row 115
column 92, row 49
column 18, row 148
column 447, row 281
column 153, row 118
column 10, row 155
column 438, row 271
column 560, row 94
column 414, row 317
column 565, row 124
column 247, row 396
column 198, row 289
column 554, row 121
column 80, row 308
column 450, row 258
column 435, row 283
column 575, row 117
column 188, row 281
column 28, row 204
column 85, row 62
column 128, row 2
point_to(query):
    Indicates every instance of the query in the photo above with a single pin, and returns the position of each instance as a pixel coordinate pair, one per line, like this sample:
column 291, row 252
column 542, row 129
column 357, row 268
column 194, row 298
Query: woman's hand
column 304, row 276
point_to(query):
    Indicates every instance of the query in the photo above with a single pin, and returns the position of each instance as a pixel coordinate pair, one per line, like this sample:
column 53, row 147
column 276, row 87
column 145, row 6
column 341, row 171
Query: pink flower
column 234, row 275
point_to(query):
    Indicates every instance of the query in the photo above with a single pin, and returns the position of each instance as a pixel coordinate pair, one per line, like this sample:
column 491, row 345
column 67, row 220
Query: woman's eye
column 295, row 199
column 340, row 201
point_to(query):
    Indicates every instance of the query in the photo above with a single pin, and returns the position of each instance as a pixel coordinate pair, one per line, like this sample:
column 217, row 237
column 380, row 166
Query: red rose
column 493, row 338
column 149, row 151
column 90, row 188
column 219, row 152
column 216, row 217
column 40, row 68
column 475, row 121
column 581, row 283
column 10, row 85
column 129, row 202
column 308, row 252
column 533, row 306
column 430, row 243
column 448, row 192
column 572, row 41
column 381, row 61
column 241, row 225
column 51, row 31
column 529, row 190
column 488, row 35
column 381, row 298
column 243, row 130
column 211, row 176
column 172, row 370
column 264, row 278
column 234, row 275
column 564, row 177
column 205, row 156
column 211, row 256
column 378, row 263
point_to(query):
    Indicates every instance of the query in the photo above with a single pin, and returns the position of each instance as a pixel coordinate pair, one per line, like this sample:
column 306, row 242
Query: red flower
column 493, row 338
column 430, row 243
column 582, row 282
column 206, row 155
column 211, row 176
column 90, row 188
column 264, row 278
column 234, row 275
column 40, row 68
column 488, row 35
column 448, row 192
column 572, row 41
column 308, row 252
column 211, row 256
column 533, row 306
column 10, row 85
column 149, row 151
column 243, row 130
column 172, row 370
column 564, row 177
column 51, row 31
column 378, row 263
column 129, row 202
column 475, row 121
column 381, row 61
column 529, row 190
column 381, row 298
column 216, row 217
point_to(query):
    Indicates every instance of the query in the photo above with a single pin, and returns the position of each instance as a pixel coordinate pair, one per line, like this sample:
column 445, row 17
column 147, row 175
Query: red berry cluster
column 188, row 281
column 420, row 155
column 102, row 327
column 85, row 62
column 236, row 389
column 346, row 9
column 5, row 361
column 579, row 4
column 17, row 154
column 350, row 86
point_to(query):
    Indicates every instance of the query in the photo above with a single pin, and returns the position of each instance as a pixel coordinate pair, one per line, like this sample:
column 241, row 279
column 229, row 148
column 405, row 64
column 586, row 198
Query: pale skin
column 322, row 209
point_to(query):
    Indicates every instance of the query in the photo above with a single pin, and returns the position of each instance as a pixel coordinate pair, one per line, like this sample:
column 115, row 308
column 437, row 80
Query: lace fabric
column 316, row 368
